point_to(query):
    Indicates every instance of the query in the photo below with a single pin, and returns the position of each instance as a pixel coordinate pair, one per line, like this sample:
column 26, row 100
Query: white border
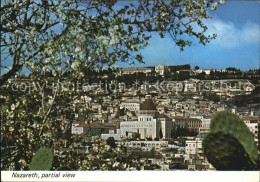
column 138, row 176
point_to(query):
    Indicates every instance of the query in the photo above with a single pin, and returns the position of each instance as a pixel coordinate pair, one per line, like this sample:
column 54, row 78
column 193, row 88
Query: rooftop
column 162, row 116
column 147, row 105
column 184, row 118
column 95, row 125
column 136, row 69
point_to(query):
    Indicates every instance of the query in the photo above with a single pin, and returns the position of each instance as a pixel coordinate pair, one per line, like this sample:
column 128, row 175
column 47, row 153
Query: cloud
column 230, row 36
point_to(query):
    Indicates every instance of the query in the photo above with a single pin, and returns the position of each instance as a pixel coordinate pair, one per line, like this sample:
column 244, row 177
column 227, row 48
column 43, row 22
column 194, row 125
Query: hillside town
column 161, row 121
column 119, row 90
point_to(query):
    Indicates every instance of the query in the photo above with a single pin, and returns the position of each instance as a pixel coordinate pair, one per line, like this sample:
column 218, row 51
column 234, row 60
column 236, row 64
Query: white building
column 193, row 149
column 190, row 87
column 93, row 129
column 131, row 105
column 160, row 69
column 146, row 129
column 125, row 71
column 145, row 145
column 207, row 72
column 167, row 126
column 116, row 135
column 148, row 124
column 194, row 155
column 205, row 126
column 76, row 129
column 254, row 128
column 253, row 124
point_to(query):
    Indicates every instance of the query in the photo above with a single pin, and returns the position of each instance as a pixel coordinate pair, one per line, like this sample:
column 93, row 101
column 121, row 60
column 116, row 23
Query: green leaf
column 228, row 123
column 42, row 160
column 225, row 152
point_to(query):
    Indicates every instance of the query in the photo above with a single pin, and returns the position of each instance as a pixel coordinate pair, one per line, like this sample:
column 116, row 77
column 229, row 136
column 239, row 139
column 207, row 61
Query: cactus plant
column 225, row 124
column 225, row 152
column 42, row 160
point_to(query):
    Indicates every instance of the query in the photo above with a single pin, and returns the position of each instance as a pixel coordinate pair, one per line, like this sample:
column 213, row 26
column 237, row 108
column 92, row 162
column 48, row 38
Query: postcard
column 147, row 90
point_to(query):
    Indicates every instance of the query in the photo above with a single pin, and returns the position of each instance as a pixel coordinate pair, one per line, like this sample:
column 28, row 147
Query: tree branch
column 10, row 73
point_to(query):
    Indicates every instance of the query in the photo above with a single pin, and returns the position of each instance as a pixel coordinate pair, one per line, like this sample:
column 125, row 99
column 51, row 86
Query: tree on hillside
column 196, row 67
column 231, row 69
column 111, row 142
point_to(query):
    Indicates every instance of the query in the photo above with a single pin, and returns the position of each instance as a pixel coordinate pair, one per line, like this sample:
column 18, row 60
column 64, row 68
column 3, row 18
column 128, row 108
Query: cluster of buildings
column 171, row 122
column 164, row 69
column 170, row 118
column 158, row 69
column 145, row 126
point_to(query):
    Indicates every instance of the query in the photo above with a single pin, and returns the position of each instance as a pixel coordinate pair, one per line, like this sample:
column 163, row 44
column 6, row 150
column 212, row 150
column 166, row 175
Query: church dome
column 147, row 105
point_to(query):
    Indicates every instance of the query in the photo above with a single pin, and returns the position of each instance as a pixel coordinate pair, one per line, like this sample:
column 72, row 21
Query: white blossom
column 222, row 2
column 17, row 32
column 45, row 68
column 214, row 6
column 75, row 65
column 12, row 107
column 78, row 49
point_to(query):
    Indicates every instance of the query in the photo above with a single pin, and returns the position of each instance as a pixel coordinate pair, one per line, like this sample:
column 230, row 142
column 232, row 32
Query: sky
column 236, row 24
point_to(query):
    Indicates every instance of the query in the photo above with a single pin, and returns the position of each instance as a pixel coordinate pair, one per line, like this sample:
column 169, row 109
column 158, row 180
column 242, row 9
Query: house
column 193, row 124
column 253, row 124
column 167, row 126
column 145, row 145
column 190, row 87
column 160, row 69
column 57, row 143
column 92, row 129
column 125, row 71
column 194, row 154
column 131, row 105
column 205, row 126
column 112, row 133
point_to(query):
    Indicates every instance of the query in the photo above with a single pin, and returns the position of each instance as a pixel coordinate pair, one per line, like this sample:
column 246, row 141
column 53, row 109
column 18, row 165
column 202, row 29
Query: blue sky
column 237, row 25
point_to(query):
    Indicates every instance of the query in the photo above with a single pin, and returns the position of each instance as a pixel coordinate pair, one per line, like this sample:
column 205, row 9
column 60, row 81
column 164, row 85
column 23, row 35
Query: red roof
column 95, row 125
column 257, row 119
column 116, row 122
column 132, row 101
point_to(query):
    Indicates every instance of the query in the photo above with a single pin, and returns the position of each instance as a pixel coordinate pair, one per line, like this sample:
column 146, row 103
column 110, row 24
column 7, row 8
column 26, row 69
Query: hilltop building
column 126, row 71
column 160, row 69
